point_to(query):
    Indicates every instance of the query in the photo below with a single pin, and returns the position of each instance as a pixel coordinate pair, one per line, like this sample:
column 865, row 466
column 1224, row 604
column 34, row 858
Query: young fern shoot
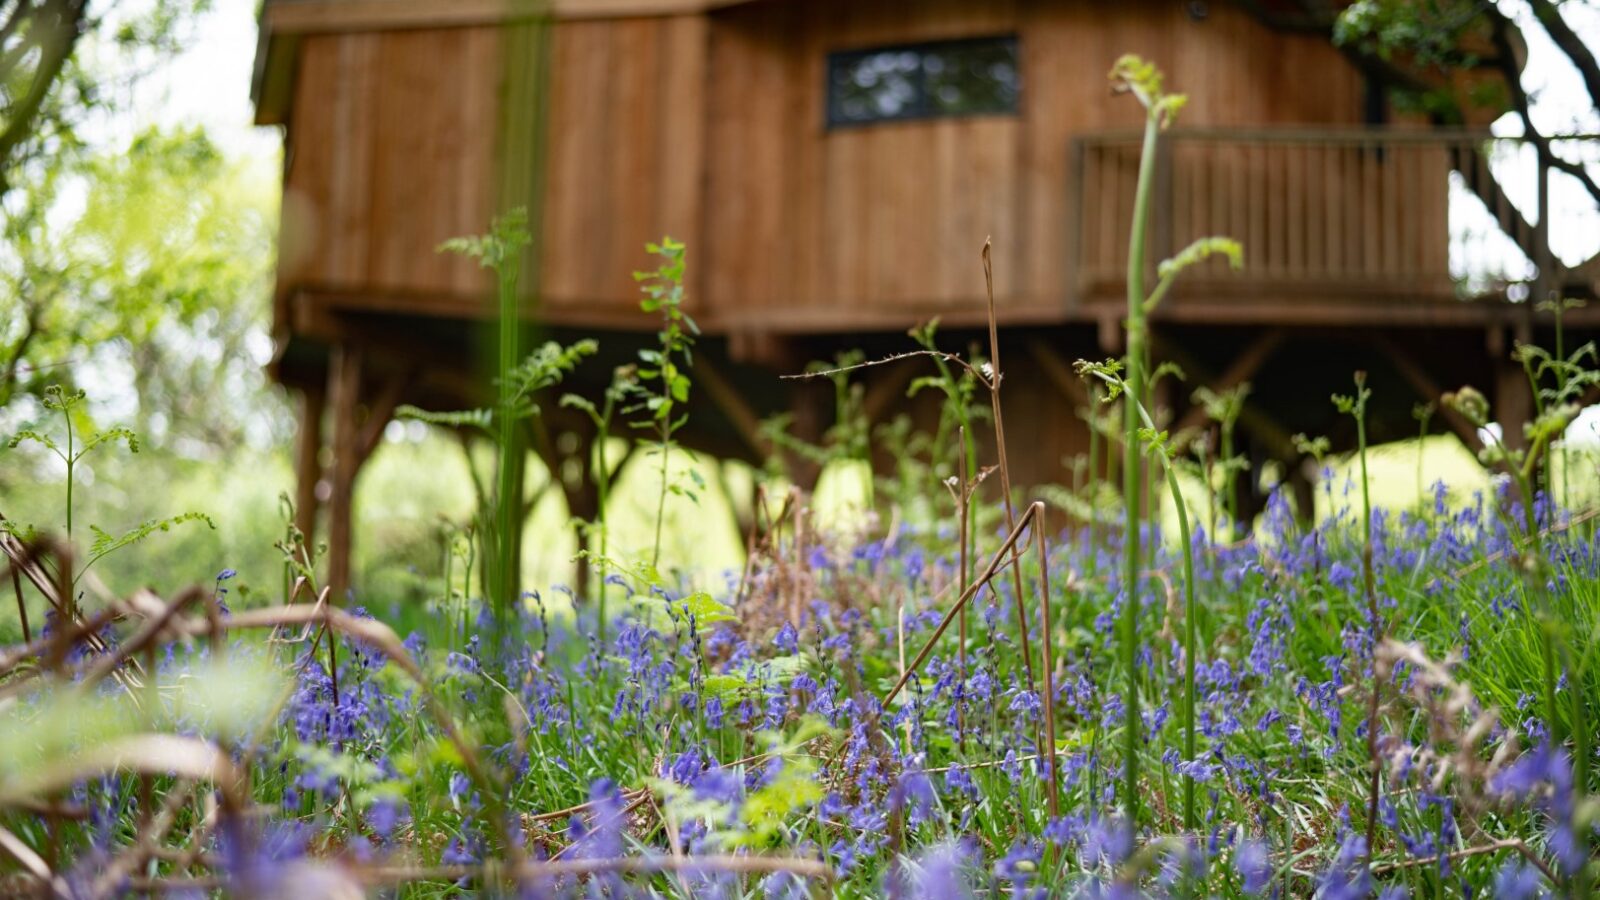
column 71, row 453
column 1134, row 75
column 517, row 384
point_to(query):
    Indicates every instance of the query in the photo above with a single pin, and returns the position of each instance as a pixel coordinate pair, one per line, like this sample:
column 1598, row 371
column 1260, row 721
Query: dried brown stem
column 993, row 383
column 1045, row 640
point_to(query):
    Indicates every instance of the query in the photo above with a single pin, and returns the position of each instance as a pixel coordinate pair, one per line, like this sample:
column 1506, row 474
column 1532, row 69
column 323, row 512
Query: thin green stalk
column 506, row 504
column 66, row 415
column 661, row 498
column 1561, row 392
column 1230, row 488
column 1372, row 615
column 1132, row 471
column 603, row 486
column 1356, row 407
column 1190, row 611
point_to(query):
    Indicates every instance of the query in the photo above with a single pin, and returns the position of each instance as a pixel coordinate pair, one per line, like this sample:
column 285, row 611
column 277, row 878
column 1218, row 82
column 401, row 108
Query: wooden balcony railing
column 1330, row 216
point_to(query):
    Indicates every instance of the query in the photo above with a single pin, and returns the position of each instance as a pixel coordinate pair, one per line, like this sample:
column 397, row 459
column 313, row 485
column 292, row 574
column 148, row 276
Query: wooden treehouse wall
column 814, row 226
column 711, row 127
column 396, row 144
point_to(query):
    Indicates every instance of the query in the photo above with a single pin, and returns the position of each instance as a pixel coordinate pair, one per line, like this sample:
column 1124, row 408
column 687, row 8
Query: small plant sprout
column 1423, row 414
column 601, row 417
column 663, row 377
column 1141, row 79
column 1224, row 407
column 71, row 451
column 1355, row 406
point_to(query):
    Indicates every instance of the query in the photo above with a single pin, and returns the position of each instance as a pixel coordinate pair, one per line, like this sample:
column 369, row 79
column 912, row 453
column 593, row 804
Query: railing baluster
column 1334, row 213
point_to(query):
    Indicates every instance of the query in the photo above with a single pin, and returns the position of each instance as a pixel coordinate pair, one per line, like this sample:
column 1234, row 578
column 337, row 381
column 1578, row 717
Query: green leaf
column 1200, row 251
column 706, row 609
column 111, row 435
column 36, row 437
column 461, row 418
column 105, row 543
column 508, row 234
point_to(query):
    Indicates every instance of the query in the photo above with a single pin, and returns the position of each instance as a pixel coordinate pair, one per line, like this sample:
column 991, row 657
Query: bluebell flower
column 787, row 639
column 941, row 873
column 1254, row 865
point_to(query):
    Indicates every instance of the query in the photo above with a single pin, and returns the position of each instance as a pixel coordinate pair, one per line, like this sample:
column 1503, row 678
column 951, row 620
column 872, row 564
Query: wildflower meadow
column 961, row 688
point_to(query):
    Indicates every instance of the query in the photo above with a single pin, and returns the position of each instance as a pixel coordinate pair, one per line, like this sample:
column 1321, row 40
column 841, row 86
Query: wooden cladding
column 397, row 143
column 809, row 228
column 712, row 127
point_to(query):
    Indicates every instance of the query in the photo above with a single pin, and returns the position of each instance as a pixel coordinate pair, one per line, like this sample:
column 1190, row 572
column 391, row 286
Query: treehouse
column 835, row 167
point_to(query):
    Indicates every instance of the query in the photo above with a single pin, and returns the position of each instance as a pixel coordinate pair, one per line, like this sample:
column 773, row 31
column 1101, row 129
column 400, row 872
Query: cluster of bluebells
column 674, row 734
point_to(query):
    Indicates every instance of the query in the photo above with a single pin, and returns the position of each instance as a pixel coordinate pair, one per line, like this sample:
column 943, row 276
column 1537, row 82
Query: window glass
column 951, row 78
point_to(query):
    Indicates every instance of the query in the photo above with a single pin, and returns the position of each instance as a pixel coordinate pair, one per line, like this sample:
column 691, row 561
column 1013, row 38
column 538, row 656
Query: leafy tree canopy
column 138, row 266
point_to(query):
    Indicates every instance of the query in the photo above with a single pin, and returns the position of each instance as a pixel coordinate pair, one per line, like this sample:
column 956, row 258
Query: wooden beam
column 889, row 387
column 1513, row 403
column 1059, row 372
column 313, row 309
column 728, row 401
column 1252, row 419
column 344, row 392
column 1242, row 369
column 1430, row 391
column 382, row 410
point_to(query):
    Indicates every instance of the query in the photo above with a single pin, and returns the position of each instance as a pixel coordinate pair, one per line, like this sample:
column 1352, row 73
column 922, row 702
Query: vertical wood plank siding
column 806, row 226
column 711, row 128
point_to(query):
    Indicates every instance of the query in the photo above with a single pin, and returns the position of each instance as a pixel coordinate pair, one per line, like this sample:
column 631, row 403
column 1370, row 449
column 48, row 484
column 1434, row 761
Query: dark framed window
column 970, row 77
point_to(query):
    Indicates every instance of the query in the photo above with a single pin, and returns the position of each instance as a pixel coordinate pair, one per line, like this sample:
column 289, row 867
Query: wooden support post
column 308, row 464
column 381, row 411
column 1513, row 402
column 886, row 389
column 344, row 392
column 808, row 400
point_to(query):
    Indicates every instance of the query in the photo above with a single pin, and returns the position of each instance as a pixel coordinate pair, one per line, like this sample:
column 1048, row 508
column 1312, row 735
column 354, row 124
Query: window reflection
column 952, row 78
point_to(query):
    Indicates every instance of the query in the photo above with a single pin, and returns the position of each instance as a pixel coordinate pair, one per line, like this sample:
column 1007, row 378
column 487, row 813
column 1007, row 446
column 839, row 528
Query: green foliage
column 161, row 272
column 662, row 378
column 518, row 385
column 499, row 249
column 667, row 364
column 1168, row 270
column 1140, row 77
column 227, row 698
column 480, row 419
column 71, row 451
column 961, row 407
column 105, row 543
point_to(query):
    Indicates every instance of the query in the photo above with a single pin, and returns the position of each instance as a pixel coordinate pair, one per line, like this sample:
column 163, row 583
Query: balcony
column 1338, row 226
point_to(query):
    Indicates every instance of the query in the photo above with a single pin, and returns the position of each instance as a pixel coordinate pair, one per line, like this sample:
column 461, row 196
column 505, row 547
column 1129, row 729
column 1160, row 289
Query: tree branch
column 1502, row 27
column 1571, row 44
column 62, row 22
